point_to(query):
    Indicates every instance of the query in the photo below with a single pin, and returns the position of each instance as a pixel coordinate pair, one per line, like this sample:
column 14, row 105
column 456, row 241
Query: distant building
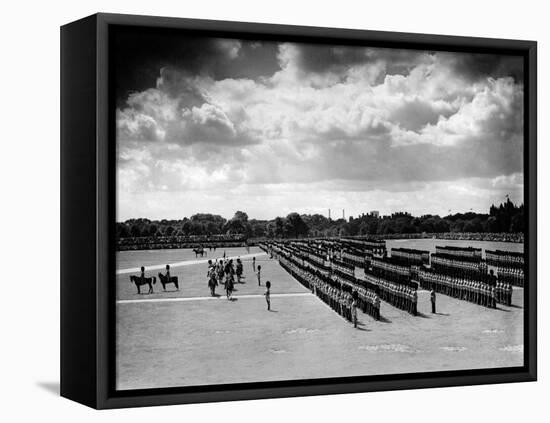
column 401, row 214
column 375, row 213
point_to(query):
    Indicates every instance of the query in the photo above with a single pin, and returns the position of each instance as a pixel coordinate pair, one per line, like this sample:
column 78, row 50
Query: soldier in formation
column 503, row 292
column 339, row 296
column 475, row 291
column 400, row 295
column 369, row 302
column 512, row 276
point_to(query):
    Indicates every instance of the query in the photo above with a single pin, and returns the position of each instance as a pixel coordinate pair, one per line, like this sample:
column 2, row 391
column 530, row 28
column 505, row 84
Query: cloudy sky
column 219, row 125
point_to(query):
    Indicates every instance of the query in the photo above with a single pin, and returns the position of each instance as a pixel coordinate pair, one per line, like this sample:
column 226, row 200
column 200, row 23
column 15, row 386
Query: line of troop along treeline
column 350, row 274
column 503, row 223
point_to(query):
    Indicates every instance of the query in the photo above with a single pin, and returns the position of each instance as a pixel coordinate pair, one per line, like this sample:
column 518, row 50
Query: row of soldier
column 466, row 278
column 344, row 298
column 459, row 252
column 390, row 270
column 512, row 276
column 410, row 257
column 399, row 295
column 505, row 259
column 458, row 268
column 369, row 302
column 339, row 300
column 323, row 287
column 367, row 299
column 477, row 292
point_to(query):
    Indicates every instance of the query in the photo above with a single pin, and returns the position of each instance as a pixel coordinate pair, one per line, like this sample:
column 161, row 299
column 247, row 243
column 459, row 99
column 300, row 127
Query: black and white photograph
column 258, row 212
column 290, row 210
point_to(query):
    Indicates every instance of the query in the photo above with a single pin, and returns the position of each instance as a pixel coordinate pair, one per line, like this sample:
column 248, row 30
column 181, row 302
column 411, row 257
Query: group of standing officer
column 223, row 271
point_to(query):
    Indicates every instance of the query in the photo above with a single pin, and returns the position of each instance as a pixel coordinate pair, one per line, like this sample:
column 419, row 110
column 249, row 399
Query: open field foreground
column 186, row 337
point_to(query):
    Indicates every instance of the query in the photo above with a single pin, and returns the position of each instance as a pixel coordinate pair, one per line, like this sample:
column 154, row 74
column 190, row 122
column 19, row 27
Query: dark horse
column 164, row 281
column 199, row 251
column 139, row 281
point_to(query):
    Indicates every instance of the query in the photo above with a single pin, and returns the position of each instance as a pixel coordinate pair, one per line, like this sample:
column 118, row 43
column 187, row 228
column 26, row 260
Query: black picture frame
column 88, row 214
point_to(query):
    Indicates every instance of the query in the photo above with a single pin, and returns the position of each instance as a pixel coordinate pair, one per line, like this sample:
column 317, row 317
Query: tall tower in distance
column 344, row 214
column 328, row 214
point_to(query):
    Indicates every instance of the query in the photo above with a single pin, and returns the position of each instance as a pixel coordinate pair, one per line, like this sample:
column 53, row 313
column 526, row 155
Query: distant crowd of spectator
column 237, row 240
column 190, row 241
column 465, row 236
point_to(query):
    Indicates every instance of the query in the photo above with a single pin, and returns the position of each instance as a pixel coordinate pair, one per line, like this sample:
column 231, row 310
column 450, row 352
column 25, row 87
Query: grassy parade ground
column 186, row 337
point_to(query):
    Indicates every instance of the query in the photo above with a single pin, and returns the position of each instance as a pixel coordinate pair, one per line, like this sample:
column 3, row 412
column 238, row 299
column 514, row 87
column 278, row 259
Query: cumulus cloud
column 177, row 111
column 380, row 124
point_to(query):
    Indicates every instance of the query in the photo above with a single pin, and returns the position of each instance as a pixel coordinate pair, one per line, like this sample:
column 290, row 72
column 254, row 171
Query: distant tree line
column 506, row 217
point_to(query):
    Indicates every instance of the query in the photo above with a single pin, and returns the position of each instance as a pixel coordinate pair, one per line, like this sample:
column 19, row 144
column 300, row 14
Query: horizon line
column 450, row 213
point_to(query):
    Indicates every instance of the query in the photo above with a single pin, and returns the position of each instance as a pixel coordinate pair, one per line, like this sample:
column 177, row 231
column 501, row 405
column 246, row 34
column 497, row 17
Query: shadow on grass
column 515, row 306
column 361, row 326
column 384, row 319
column 443, row 314
column 424, row 316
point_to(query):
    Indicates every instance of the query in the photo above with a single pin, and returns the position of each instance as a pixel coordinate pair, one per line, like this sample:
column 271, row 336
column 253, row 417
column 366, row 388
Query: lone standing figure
column 432, row 300
column 268, row 295
column 354, row 312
